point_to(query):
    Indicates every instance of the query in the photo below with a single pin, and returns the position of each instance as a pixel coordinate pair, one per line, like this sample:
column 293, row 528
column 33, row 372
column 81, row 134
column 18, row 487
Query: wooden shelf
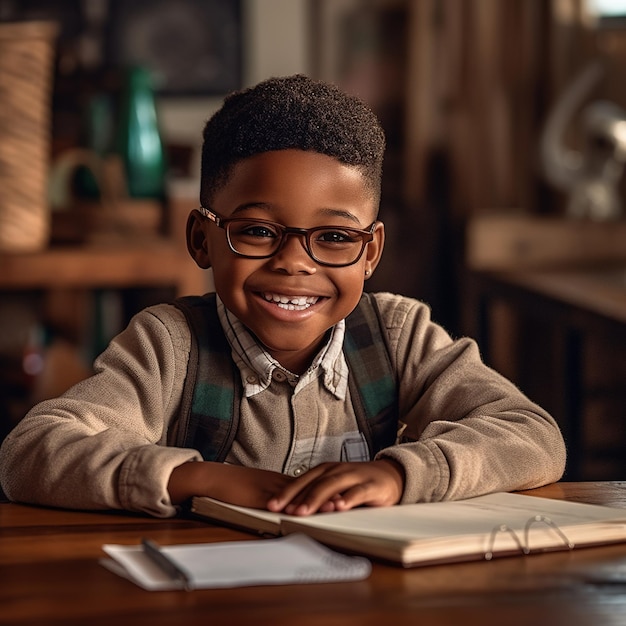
column 65, row 278
column 497, row 242
column 150, row 263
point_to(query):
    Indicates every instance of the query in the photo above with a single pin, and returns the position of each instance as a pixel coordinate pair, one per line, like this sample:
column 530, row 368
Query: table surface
column 51, row 575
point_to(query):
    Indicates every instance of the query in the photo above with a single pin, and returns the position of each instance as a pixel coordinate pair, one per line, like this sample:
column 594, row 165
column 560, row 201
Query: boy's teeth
column 291, row 303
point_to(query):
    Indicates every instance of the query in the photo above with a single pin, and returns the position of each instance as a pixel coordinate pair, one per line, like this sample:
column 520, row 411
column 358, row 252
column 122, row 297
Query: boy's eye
column 334, row 236
column 256, row 230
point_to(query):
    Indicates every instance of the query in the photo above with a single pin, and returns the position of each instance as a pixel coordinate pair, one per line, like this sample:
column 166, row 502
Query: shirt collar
column 258, row 367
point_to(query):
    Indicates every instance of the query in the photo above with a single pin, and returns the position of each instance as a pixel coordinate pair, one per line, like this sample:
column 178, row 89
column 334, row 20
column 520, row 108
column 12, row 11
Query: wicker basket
column 26, row 60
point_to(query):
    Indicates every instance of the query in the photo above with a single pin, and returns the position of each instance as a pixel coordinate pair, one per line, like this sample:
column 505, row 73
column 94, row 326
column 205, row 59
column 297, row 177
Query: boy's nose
column 292, row 257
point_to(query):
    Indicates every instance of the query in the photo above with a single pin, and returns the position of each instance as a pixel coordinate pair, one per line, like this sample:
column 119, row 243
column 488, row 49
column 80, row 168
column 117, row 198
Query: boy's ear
column 197, row 242
column 374, row 250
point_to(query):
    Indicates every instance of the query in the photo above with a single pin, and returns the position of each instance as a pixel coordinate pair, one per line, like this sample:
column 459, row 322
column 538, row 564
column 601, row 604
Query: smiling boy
column 290, row 191
column 295, row 188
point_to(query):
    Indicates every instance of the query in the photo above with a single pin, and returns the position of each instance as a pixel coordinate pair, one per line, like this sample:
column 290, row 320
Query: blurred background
column 503, row 193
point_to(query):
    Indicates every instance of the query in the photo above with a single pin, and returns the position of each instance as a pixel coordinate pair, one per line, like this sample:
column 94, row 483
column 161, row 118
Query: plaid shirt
column 257, row 367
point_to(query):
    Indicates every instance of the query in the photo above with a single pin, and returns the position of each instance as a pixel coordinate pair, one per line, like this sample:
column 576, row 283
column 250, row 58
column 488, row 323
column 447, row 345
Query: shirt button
column 279, row 376
column 298, row 471
column 252, row 379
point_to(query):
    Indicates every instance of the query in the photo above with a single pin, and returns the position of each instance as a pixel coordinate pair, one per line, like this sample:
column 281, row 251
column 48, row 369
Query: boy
column 270, row 378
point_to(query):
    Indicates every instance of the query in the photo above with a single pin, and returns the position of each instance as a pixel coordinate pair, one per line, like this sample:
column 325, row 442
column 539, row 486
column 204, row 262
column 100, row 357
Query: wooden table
column 50, row 575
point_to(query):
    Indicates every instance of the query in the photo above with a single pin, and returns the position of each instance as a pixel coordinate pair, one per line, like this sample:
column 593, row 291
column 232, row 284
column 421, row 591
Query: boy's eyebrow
column 325, row 211
column 340, row 213
column 250, row 205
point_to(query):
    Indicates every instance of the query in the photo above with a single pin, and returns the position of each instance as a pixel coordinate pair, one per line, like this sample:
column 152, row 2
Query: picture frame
column 192, row 47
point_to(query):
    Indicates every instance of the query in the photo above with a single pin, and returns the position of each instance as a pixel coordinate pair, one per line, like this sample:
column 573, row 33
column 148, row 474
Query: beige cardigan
column 468, row 430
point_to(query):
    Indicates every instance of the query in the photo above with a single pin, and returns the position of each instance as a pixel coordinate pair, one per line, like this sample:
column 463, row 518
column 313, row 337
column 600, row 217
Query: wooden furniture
column 149, row 263
column 60, row 287
column 122, row 263
column 50, row 575
column 495, row 242
column 562, row 338
column 546, row 299
column 62, row 290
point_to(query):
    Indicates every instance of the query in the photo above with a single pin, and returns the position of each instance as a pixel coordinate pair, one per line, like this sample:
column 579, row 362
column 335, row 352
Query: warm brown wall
column 463, row 88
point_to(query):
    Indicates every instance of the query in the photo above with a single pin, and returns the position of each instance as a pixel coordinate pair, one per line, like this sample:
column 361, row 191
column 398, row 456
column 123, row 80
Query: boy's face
column 296, row 189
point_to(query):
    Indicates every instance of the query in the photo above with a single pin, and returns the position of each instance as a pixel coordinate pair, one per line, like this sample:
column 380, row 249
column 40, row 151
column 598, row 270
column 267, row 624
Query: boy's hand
column 341, row 486
column 245, row 486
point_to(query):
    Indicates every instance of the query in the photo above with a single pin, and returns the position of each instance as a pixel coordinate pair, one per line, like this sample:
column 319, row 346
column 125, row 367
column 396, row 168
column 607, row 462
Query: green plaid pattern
column 210, row 407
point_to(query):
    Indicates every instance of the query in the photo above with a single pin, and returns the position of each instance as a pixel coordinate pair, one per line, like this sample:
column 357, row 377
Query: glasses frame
column 366, row 235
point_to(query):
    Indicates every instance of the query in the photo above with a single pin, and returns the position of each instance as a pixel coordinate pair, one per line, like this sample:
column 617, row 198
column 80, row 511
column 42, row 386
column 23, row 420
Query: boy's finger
column 291, row 490
column 323, row 490
column 308, row 492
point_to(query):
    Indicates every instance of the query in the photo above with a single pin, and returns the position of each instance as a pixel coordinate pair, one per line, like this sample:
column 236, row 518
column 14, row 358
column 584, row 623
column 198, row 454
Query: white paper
column 474, row 516
column 284, row 560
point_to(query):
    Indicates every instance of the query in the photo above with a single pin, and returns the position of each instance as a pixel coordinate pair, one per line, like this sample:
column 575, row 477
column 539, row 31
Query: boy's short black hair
column 292, row 112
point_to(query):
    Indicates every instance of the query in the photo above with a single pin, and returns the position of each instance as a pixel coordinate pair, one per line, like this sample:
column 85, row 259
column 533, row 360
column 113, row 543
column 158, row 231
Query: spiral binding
column 524, row 546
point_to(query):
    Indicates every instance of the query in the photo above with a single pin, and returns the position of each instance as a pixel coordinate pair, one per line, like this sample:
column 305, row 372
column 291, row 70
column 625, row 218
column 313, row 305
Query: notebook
column 286, row 560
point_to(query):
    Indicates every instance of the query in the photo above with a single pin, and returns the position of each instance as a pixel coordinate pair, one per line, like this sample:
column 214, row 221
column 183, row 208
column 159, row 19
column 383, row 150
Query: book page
column 475, row 516
column 257, row 520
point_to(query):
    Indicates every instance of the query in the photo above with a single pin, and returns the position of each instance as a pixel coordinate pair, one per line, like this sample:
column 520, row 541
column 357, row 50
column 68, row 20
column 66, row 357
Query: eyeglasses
column 333, row 246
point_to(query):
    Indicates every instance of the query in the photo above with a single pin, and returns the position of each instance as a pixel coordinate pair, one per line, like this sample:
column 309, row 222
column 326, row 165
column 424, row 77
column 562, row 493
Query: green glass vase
column 139, row 139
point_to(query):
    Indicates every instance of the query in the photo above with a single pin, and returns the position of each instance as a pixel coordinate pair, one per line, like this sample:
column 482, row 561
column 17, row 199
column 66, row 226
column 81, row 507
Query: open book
column 420, row 534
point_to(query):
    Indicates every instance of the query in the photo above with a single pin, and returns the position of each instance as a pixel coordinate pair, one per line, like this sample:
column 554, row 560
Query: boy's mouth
column 290, row 303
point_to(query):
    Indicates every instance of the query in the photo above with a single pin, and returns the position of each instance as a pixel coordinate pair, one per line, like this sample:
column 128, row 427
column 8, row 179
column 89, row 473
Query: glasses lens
column 255, row 239
column 336, row 246
column 331, row 246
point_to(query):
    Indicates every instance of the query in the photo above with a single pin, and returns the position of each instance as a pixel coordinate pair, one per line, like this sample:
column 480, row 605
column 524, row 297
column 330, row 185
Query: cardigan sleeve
column 469, row 431
column 97, row 446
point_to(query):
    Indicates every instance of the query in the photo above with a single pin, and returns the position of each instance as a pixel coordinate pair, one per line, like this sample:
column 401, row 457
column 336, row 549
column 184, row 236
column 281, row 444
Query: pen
column 167, row 565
